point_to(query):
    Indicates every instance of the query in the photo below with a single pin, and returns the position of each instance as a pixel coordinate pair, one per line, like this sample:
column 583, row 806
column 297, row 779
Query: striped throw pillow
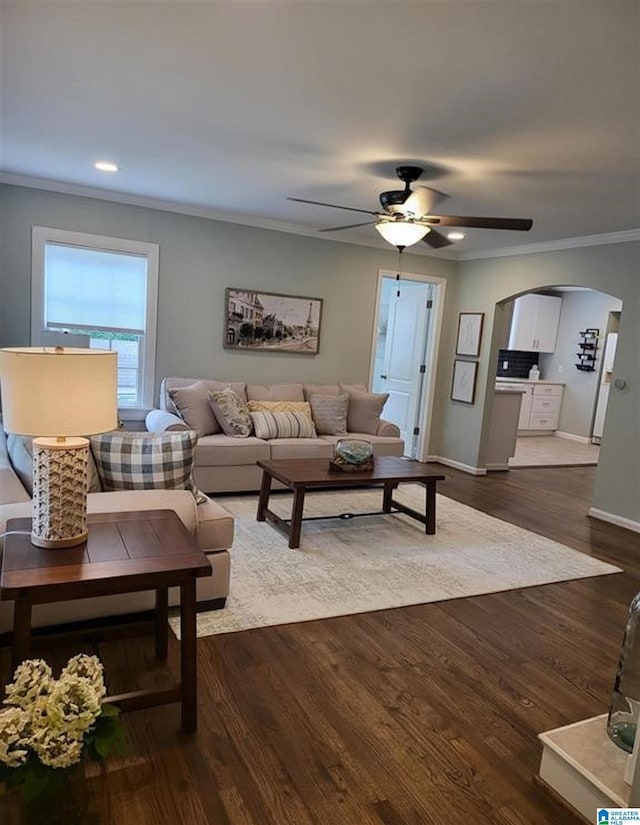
column 146, row 461
column 292, row 424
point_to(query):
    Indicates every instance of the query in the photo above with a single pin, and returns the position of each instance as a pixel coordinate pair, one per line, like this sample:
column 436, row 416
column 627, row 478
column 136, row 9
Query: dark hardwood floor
column 414, row 716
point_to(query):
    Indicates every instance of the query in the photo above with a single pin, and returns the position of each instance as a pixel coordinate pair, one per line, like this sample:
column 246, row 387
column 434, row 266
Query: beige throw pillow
column 232, row 413
column 365, row 409
column 330, row 413
column 192, row 403
column 280, row 406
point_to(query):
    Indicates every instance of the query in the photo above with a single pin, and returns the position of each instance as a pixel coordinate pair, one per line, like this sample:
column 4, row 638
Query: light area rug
column 365, row 564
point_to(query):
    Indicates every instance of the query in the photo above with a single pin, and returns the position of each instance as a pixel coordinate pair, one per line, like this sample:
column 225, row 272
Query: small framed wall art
column 463, row 384
column 271, row 322
column 469, row 333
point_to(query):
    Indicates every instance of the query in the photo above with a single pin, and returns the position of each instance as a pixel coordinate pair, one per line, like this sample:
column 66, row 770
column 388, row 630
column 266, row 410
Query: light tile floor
column 552, row 451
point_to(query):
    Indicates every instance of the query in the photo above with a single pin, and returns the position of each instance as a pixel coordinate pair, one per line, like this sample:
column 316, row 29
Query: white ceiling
column 519, row 108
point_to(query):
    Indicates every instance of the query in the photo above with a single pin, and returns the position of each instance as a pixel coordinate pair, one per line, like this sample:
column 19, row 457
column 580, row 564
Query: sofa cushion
column 293, row 424
column 20, row 452
column 215, row 527
column 173, row 382
column 300, row 448
column 194, row 407
column 146, row 461
column 232, row 413
column 227, row 451
column 330, row 413
column 329, row 389
column 365, row 409
column 275, row 392
column 180, row 501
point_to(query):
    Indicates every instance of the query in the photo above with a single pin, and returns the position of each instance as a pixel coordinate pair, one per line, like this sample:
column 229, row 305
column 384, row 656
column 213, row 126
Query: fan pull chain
column 399, row 270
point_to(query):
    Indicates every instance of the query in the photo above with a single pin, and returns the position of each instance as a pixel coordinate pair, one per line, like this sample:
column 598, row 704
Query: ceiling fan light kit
column 402, row 233
column 407, row 215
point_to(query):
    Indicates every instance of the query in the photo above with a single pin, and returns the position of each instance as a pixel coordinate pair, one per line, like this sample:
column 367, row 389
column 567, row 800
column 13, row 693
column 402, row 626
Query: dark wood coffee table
column 300, row 475
column 124, row 553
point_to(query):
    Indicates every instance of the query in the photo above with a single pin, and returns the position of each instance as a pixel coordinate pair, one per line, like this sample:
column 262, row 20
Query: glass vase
column 624, row 708
column 63, row 802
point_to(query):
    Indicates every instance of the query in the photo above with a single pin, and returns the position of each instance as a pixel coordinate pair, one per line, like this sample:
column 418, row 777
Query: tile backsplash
column 519, row 363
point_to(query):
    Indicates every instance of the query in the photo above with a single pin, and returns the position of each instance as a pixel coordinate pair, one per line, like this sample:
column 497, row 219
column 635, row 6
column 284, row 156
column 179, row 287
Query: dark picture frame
column 469, row 336
column 259, row 321
column 463, row 381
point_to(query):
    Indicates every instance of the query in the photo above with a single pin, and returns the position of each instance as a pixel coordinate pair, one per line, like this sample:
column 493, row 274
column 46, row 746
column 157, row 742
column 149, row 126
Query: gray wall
column 480, row 284
column 198, row 259
column 579, row 311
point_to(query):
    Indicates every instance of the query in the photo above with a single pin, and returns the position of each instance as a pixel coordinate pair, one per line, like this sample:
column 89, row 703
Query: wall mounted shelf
column 588, row 349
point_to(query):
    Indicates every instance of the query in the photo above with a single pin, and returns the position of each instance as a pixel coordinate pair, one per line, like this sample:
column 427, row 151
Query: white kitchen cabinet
column 543, row 407
column 534, row 324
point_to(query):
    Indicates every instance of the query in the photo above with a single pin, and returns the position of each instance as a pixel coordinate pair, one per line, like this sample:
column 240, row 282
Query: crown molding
column 148, row 202
column 552, row 246
column 180, row 208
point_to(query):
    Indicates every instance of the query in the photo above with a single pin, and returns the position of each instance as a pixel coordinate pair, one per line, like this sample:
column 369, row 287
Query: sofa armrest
column 388, row 429
column 161, row 421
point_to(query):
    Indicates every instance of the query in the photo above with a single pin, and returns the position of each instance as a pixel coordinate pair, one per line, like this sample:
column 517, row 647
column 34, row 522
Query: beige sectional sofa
column 226, row 463
column 210, row 523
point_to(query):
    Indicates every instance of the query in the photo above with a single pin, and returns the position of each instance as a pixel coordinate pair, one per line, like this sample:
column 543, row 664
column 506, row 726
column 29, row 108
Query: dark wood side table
column 124, row 553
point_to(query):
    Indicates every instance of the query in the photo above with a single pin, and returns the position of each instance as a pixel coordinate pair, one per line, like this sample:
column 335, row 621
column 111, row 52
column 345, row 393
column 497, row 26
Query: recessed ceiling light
column 455, row 236
column 106, row 166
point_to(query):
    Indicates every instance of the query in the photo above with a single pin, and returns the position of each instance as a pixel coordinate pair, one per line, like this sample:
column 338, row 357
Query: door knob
column 384, row 377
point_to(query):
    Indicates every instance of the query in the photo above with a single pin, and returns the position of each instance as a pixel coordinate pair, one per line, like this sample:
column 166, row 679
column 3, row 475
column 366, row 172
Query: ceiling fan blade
column 522, row 224
column 422, row 201
column 333, row 206
column 350, row 226
column 435, row 239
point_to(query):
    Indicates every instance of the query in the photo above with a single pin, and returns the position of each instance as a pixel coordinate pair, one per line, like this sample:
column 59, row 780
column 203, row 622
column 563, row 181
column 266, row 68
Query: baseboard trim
column 496, row 467
column 458, row 465
column 582, row 439
column 612, row 518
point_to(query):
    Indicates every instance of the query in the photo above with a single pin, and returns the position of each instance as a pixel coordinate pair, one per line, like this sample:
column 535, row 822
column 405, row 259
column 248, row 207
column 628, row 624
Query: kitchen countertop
column 506, row 389
column 506, row 380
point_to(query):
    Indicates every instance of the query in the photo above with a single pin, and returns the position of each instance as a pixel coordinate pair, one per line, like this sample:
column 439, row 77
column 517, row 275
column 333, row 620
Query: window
column 103, row 288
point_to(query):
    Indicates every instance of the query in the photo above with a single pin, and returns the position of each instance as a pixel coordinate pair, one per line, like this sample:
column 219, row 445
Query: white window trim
column 41, row 235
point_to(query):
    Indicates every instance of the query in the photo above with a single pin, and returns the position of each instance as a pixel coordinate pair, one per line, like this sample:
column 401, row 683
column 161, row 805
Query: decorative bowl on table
column 352, row 455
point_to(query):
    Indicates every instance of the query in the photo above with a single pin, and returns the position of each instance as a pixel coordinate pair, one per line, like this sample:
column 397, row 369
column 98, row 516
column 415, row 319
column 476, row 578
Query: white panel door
column 403, row 352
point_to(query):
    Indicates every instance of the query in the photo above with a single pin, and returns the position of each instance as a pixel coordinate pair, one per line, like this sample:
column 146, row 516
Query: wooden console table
column 124, row 553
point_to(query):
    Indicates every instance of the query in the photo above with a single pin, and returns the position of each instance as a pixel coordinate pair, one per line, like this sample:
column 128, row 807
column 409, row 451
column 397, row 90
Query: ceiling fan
column 407, row 214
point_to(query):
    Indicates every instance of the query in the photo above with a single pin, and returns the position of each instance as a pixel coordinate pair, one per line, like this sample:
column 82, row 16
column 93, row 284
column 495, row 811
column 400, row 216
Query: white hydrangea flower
column 32, row 678
column 14, row 725
column 58, row 749
column 87, row 667
column 73, row 705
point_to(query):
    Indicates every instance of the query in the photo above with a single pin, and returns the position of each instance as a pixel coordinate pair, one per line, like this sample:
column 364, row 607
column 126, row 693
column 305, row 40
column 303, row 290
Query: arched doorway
column 571, row 341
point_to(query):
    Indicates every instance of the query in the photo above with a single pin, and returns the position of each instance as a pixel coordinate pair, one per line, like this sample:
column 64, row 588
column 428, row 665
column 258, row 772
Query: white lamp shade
column 402, row 233
column 59, row 391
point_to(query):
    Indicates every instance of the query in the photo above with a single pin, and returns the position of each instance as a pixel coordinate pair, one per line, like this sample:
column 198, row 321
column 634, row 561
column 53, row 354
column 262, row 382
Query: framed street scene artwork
column 463, row 386
column 270, row 322
column 469, row 333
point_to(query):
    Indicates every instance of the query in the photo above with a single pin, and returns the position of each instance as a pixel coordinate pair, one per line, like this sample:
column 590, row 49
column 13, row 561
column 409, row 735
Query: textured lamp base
column 59, row 492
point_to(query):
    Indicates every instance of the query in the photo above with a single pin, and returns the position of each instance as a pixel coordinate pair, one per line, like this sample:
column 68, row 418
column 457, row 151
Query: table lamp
column 59, row 394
